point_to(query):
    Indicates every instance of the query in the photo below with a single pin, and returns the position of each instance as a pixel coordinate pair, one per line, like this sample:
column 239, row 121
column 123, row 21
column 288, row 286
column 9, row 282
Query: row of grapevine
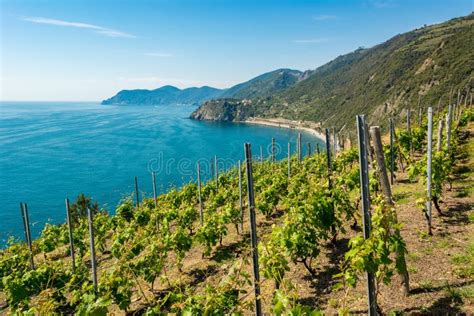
column 140, row 247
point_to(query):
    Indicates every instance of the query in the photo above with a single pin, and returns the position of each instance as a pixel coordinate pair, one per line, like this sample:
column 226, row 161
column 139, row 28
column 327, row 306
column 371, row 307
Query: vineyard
column 190, row 251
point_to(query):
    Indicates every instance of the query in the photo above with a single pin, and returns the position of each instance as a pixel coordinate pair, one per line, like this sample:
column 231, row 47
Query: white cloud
column 97, row 29
column 381, row 4
column 324, row 17
column 163, row 55
column 310, row 41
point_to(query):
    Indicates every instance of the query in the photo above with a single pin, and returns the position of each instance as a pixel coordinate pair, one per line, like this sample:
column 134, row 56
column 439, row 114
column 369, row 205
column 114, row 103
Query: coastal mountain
column 164, row 95
column 262, row 86
column 415, row 70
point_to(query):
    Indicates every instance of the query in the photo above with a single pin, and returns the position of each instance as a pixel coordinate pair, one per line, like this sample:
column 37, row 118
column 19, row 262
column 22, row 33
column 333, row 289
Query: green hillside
column 264, row 85
column 418, row 67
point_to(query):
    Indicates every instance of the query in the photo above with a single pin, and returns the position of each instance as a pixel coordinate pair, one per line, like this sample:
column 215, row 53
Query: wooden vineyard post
column 241, row 200
column 384, row 183
column 92, row 249
column 309, row 150
column 420, row 114
column 300, row 156
column 26, row 224
column 317, row 149
column 334, row 141
column 153, row 179
column 211, row 163
column 449, row 117
column 71, row 241
column 136, row 193
column 375, row 133
column 261, row 153
column 370, row 152
column 289, row 160
column 409, row 130
column 439, row 140
column 364, row 189
column 273, row 149
column 392, row 153
column 201, row 213
column 328, row 157
column 428, row 168
column 253, row 229
column 216, row 171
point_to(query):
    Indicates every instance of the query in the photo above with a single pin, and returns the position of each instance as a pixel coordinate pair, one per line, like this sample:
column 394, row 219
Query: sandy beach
column 284, row 123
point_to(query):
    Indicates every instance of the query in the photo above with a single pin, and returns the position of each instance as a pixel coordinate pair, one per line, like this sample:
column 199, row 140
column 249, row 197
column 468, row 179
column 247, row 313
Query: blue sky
column 88, row 50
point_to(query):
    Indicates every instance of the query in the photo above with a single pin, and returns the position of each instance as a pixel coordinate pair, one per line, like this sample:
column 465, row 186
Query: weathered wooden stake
column 71, row 241
column 328, row 156
column 317, row 149
column 379, row 156
column 253, row 229
column 300, row 156
column 261, row 153
column 309, row 150
column 216, row 168
column 428, row 167
column 92, row 249
column 364, row 185
column 440, row 135
column 136, row 192
column 26, row 222
column 201, row 212
column 289, row 160
column 153, row 179
column 420, row 114
column 273, row 149
column 392, row 153
column 241, row 200
column 370, row 152
column 211, row 163
column 449, row 117
column 409, row 129
column 334, row 136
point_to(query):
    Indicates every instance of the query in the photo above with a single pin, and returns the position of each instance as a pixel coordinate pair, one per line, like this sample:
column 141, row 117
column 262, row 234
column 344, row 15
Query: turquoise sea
column 53, row 150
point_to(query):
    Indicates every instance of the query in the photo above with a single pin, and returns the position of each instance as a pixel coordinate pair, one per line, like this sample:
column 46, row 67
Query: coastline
column 284, row 123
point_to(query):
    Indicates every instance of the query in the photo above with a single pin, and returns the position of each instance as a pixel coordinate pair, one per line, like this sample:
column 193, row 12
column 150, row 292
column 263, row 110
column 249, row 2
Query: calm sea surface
column 53, row 150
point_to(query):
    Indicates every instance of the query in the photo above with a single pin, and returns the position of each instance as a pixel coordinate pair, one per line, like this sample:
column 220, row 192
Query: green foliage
column 79, row 208
column 373, row 255
column 137, row 246
column 273, row 261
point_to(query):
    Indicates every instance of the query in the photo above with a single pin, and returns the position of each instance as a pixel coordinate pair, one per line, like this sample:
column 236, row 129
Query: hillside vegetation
column 424, row 67
column 159, row 257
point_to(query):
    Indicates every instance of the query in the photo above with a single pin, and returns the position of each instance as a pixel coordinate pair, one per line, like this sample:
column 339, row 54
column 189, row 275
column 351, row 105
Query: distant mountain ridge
column 417, row 69
column 164, row 95
column 262, row 86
